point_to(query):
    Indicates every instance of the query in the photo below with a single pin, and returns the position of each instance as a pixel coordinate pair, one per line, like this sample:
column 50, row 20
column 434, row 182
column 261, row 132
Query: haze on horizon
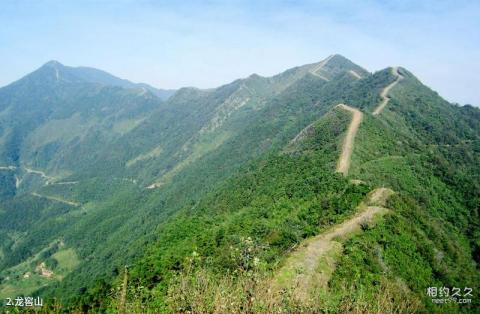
column 206, row 45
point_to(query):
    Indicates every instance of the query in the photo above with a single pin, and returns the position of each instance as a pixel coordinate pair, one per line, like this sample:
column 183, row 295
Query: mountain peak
column 54, row 72
column 53, row 63
column 334, row 65
column 55, row 66
column 338, row 57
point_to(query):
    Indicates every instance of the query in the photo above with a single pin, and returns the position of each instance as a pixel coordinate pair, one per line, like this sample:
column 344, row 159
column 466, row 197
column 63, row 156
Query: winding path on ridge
column 319, row 67
column 343, row 163
column 386, row 90
column 311, row 265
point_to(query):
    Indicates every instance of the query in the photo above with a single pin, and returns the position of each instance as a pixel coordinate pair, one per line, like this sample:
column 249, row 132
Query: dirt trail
column 65, row 183
column 39, row 172
column 18, row 181
column 355, row 74
column 319, row 67
column 343, row 163
column 57, row 75
column 379, row 196
column 47, row 178
column 386, row 90
column 8, row 168
column 53, row 198
column 303, row 133
column 311, row 265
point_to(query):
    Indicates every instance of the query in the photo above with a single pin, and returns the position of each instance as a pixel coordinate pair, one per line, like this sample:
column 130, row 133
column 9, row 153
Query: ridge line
column 386, row 90
column 320, row 66
column 343, row 163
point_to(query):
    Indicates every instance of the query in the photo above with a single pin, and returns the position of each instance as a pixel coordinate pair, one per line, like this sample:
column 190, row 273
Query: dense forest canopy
column 117, row 196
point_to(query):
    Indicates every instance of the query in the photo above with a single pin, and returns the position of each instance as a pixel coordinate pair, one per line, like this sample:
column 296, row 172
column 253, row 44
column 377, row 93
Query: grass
column 23, row 286
column 18, row 284
column 59, row 130
column 198, row 149
column 67, row 261
column 157, row 151
column 126, row 125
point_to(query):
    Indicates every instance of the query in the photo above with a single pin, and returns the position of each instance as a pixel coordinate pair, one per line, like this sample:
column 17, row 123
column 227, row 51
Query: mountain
column 92, row 75
column 52, row 109
column 252, row 197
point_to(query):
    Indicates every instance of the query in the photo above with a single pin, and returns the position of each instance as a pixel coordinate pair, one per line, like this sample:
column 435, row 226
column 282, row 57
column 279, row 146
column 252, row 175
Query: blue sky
column 170, row 44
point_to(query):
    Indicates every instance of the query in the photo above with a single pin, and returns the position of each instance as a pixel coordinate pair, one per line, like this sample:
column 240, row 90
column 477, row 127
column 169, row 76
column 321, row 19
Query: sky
column 171, row 44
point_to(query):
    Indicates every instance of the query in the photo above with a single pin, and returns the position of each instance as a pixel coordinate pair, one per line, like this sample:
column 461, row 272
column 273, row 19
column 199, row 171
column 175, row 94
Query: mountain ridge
column 91, row 75
column 252, row 158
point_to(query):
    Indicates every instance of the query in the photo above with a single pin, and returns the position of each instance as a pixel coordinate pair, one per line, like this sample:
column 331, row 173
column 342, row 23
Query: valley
column 324, row 188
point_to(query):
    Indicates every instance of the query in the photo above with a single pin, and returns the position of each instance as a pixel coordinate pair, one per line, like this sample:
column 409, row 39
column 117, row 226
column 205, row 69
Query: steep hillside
column 101, row 77
column 99, row 148
column 220, row 200
column 427, row 237
column 229, row 249
column 52, row 112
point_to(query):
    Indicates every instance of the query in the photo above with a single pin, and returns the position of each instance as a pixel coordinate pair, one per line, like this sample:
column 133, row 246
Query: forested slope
column 205, row 195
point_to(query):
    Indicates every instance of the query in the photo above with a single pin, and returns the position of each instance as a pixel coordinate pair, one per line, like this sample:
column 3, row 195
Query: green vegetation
column 245, row 175
column 51, row 264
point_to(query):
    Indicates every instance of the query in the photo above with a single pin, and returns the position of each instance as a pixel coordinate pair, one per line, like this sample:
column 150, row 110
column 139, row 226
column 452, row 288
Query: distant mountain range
column 59, row 72
column 253, row 196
